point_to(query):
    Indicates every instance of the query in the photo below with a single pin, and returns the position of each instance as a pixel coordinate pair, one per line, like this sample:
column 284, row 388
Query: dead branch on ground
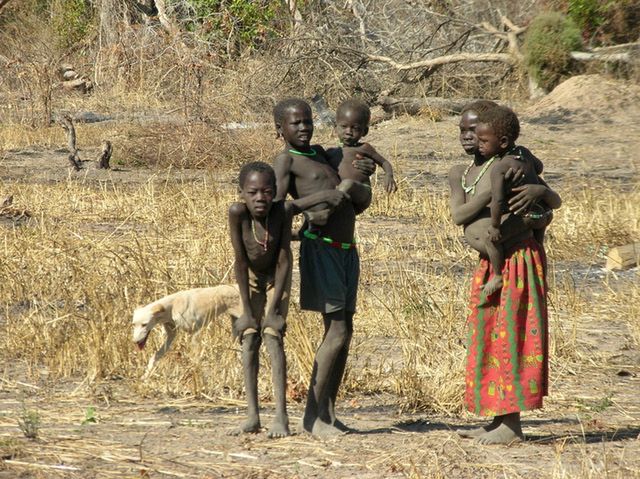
column 416, row 106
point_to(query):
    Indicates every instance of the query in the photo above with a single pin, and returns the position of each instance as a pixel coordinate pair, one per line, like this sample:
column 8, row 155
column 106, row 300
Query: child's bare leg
column 336, row 379
column 280, row 425
column 250, row 355
column 360, row 193
column 509, row 430
column 512, row 225
column 496, row 257
column 317, row 419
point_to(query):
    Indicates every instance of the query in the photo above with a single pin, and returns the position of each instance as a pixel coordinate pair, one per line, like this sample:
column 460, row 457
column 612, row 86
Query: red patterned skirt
column 508, row 347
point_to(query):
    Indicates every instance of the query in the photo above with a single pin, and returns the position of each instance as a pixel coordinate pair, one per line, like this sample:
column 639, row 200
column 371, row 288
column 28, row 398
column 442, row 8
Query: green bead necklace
column 296, row 152
column 472, row 188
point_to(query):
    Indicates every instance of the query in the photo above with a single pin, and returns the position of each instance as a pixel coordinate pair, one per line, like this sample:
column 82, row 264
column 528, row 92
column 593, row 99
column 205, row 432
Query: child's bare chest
column 346, row 170
column 261, row 244
column 311, row 176
column 476, row 179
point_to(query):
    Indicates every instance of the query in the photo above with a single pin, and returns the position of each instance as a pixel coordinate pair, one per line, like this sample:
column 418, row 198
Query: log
column 624, row 57
column 623, row 257
column 82, row 84
column 416, row 106
column 105, row 156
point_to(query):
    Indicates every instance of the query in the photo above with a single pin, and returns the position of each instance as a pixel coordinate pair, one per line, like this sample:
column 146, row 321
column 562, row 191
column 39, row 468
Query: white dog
column 187, row 310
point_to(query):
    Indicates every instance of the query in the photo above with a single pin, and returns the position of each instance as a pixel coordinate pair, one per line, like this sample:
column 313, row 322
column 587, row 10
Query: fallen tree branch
column 604, row 56
column 415, row 106
column 434, row 63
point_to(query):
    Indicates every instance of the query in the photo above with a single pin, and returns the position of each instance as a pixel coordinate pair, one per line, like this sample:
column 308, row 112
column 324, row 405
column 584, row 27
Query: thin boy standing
column 260, row 230
column 329, row 263
column 261, row 235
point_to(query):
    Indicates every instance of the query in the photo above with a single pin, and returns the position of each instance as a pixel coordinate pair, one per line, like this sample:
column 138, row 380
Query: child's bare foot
column 279, row 428
column 319, row 218
column 479, row 431
column 508, row 432
column 323, row 430
column 493, row 285
column 501, row 435
column 251, row 425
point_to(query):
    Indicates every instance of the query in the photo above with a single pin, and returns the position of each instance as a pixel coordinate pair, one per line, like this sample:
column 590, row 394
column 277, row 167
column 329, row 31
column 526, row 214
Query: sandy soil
column 590, row 426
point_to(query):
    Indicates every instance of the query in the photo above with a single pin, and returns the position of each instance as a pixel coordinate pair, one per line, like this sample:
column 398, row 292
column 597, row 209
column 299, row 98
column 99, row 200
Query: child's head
column 352, row 121
column 469, row 121
column 257, row 183
column 294, row 122
column 497, row 130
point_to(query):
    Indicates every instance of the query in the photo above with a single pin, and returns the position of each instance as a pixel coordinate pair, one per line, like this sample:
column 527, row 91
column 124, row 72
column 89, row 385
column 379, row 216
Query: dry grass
column 73, row 274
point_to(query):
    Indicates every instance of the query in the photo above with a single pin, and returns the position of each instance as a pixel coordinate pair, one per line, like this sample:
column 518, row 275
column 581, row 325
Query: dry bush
column 194, row 145
column 145, row 70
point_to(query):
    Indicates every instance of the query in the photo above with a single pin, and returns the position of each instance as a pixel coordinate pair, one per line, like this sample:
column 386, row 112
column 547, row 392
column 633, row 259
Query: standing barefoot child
column 261, row 235
column 260, row 231
column 352, row 124
column 507, row 357
column 329, row 262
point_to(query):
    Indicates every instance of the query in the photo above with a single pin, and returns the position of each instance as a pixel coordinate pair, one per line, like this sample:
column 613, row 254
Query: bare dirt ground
column 590, row 426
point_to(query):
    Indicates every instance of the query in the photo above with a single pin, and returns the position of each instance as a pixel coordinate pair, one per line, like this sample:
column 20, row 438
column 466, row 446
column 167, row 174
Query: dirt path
column 589, row 427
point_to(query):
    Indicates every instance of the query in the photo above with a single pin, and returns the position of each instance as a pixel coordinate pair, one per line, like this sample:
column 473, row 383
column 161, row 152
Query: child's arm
column 461, row 212
column 497, row 201
column 241, row 268
column 389, row 182
column 528, row 156
column 333, row 198
column 282, row 167
column 283, row 269
column 527, row 195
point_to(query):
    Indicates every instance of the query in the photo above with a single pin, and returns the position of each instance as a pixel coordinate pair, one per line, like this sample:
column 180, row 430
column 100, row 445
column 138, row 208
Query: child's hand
column 494, row 234
column 390, row 184
column 525, row 196
column 335, row 197
column 514, row 177
column 274, row 321
column 244, row 322
column 364, row 164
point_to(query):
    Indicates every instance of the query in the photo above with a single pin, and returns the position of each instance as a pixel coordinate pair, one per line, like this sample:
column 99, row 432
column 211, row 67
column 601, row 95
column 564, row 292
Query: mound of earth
column 587, row 98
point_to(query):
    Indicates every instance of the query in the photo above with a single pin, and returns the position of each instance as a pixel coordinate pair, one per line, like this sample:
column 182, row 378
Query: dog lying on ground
column 187, row 311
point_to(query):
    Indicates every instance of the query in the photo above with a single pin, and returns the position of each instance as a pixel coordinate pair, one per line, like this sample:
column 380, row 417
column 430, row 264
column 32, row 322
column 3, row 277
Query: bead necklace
column 472, row 188
column 264, row 242
column 296, row 152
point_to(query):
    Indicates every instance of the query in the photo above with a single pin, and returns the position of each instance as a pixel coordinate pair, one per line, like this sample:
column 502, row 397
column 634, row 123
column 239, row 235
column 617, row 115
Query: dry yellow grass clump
column 72, row 275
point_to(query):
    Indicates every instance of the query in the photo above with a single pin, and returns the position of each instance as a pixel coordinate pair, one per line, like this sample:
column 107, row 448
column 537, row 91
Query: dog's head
column 144, row 320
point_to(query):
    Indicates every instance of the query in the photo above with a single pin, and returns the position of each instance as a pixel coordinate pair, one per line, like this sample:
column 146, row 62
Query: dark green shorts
column 328, row 277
